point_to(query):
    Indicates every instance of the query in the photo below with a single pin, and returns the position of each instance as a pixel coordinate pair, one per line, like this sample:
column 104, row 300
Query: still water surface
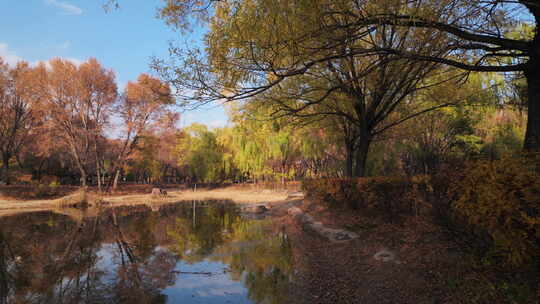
column 200, row 252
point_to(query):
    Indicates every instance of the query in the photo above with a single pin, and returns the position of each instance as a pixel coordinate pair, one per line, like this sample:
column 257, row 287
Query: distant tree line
column 69, row 121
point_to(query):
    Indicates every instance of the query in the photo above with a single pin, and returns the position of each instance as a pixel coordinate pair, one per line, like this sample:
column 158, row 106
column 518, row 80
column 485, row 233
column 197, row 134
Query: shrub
column 43, row 191
column 490, row 204
column 389, row 196
column 444, row 185
column 39, row 190
column 54, row 184
column 503, row 198
column 24, row 179
column 395, row 196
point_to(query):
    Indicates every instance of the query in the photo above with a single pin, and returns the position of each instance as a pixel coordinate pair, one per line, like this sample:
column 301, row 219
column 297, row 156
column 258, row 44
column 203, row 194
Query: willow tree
column 250, row 142
column 262, row 147
column 199, row 151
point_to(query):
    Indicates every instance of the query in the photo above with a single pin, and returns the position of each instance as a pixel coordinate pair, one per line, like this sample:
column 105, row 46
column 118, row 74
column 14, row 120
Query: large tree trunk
column 39, row 172
column 361, row 157
column 349, row 160
column 532, row 135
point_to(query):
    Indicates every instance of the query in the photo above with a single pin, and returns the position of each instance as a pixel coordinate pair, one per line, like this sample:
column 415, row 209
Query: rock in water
column 256, row 209
column 261, row 209
column 158, row 192
column 294, row 211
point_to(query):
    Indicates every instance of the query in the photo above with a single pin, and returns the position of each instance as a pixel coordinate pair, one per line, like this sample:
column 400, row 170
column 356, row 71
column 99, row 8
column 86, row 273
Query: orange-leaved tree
column 79, row 104
column 142, row 103
column 18, row 102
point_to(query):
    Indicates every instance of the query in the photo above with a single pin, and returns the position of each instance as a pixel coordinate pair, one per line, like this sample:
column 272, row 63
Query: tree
column 18, row 100
column 479, row 41
column 470, row 35
column 98, row 94
column 79, row 101
column 141, row 104
column 164, row 136
column 320, row 147
column 199, row 150
column 362, row 90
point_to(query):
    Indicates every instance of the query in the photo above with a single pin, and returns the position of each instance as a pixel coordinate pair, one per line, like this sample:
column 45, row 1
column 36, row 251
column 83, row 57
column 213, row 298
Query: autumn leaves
column 58, row 109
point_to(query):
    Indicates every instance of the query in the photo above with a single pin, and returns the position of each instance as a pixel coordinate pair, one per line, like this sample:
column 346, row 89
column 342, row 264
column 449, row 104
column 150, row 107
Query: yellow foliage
column 503, row 198
column 499, row 198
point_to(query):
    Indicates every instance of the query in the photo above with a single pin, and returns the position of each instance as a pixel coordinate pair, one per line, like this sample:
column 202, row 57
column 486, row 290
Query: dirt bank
column 240, row 196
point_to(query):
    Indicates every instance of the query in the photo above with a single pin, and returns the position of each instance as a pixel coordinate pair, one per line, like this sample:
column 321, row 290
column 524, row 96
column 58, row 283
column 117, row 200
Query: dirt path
column 410, row 262
column 235, row 195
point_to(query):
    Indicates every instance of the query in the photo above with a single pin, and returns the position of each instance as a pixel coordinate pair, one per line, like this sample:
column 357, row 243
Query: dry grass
column 236, row 195
column 240, row 196
column 33, row 192
column 79, row 198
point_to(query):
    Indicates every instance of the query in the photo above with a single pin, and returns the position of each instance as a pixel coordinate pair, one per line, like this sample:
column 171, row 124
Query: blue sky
column 124, row 39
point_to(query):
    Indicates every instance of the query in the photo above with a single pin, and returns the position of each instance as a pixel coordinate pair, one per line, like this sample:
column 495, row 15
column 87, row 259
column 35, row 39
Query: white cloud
column 67, row 8
column 8, row 56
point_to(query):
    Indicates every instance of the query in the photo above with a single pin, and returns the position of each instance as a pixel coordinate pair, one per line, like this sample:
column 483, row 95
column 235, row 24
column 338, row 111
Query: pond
column 192, row 252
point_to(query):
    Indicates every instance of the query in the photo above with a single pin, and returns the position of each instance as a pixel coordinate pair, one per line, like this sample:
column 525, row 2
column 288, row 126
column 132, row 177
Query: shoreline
column 238, row 196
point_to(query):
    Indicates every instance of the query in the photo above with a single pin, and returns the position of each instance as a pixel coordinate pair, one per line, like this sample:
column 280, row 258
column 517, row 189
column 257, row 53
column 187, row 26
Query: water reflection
column 204, row 252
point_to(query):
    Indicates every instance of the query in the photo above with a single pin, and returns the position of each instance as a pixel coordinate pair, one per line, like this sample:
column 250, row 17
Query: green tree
column 199, row 150
column 264, row 148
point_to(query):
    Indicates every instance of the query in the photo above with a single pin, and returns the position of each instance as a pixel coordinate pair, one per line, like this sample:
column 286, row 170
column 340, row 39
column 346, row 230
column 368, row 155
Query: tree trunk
column 361, row 157
column 532, row 135
column 98, row 174
column 115, row 182
column 39, row 172
column 5, row 171
column 83, row 177
column 104, row 179
column 349, row 160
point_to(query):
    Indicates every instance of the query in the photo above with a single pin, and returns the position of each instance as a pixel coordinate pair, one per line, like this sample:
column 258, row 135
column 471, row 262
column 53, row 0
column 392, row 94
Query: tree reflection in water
column 136, row 255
